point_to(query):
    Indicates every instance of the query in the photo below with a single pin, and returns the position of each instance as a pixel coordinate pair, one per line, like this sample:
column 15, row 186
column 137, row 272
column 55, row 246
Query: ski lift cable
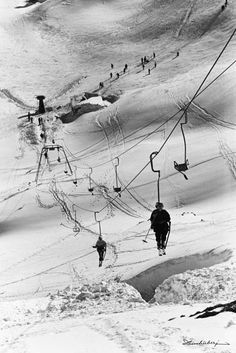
column 178, row 121
column 195, row 96
column 125, row 187
column 154, row 131
column 160, row 126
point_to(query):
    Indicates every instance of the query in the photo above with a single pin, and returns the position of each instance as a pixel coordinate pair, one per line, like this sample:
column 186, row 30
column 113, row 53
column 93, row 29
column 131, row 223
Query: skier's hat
column 159, row 204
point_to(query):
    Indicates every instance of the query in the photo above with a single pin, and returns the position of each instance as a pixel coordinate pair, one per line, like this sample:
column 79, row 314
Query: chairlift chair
column 117, row 188
column 99, row 223
column 58, row 158
column 75, row 179
column 152, row 156
column 90, row 188
column 76, row 229
column 182, row 167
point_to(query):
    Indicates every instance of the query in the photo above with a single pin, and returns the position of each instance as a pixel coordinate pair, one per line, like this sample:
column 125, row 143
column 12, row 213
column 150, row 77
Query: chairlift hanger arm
column 183, row 134
column 152, row 156
column 39, row 164
column 67, row 161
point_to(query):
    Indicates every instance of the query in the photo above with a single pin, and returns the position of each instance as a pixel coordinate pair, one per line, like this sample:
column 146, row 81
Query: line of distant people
column 144, row 61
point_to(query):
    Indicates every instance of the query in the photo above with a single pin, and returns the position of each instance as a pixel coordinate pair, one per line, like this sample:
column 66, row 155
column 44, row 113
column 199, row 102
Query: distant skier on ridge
column 160, row 223
column 101, row 247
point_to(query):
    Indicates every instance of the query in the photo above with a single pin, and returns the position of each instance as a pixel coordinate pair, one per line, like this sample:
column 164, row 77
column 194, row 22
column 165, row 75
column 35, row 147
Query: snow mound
column 206, row 284
column 93, row 299
column 85, row 300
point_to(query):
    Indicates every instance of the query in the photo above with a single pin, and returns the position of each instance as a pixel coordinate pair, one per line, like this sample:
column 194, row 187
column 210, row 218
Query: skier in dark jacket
column 160, row 223
column 101, row 247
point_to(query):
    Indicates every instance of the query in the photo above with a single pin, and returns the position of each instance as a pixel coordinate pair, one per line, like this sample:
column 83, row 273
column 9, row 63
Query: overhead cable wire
column 178, row 121
column 199, row 93
column 155, row 130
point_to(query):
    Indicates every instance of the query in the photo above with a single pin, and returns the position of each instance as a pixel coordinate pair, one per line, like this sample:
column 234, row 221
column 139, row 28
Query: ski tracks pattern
column 15, row 100
column 217, row 124
column 115, row 333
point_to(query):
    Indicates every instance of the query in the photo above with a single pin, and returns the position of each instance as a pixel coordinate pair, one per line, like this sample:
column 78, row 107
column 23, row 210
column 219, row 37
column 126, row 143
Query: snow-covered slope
column 62, row 49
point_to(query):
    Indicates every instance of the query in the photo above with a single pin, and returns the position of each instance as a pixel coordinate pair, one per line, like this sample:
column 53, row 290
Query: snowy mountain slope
column 45, row 50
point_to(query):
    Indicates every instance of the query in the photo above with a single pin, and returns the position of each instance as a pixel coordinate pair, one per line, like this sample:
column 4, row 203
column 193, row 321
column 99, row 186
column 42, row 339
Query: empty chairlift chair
column 117, row 188
column 152, row 156
column 90, row 188
column 76, row 229
column 182, row 167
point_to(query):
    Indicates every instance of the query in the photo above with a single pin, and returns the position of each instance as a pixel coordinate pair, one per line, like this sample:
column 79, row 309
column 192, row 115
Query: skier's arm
column 151, row 218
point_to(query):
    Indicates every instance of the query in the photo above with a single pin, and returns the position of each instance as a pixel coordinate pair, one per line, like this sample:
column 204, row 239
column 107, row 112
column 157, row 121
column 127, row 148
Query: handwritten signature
column 192, row 342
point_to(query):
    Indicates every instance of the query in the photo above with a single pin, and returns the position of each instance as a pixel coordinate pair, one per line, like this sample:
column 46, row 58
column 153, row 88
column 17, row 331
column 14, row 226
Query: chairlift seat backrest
column 117, row 189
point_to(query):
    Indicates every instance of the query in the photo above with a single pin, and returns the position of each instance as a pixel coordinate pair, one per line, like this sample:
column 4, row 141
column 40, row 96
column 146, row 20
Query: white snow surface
column 53, row 296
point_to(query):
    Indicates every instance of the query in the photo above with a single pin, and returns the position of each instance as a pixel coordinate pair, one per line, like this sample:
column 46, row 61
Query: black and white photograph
column 117, row 176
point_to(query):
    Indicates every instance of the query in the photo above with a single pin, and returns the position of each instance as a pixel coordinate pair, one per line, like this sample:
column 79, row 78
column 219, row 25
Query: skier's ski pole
column 167, row 237
column 144, row 240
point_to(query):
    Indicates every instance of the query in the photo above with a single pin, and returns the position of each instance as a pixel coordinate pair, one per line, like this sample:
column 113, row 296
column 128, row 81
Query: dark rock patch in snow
column 215, row 310
column 29, row 3
column 78, row 111
column 147, row 281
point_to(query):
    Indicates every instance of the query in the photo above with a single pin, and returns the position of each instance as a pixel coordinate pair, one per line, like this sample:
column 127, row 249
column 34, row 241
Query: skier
column 112, row 66
column 160, row 223
column 110, row 74
column 101, row 247
column 155, row 64
column 117, row 75
column 149, row 72
column 154, row 54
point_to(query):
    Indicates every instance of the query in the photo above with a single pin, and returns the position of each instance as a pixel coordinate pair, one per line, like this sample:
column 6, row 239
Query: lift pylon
column 45, row 151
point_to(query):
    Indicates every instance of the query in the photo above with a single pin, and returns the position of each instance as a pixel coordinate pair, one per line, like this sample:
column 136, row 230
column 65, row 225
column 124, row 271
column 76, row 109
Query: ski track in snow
column 225, row 150
column 15, row 100
column 186, row 17
column 115, row 333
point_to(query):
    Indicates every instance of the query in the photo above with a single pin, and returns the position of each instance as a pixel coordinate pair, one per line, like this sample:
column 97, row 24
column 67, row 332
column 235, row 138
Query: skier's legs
column 101, row 253
column 158, row 238
column 164, row 232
